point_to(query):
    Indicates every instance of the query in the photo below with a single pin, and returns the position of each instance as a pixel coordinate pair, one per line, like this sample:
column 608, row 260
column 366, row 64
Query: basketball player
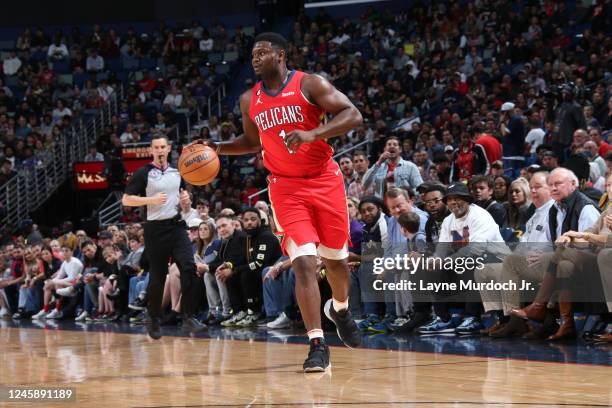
column 282, row 114
column 158, row 186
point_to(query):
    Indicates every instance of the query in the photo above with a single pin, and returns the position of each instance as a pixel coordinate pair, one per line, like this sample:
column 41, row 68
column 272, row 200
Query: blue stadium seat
column 114, row 65
column 79, row 79
column 131, row 64
column 39, row 56
column 230, row 56
column 148, row 64
column 65, row 79
column 7, row 45
column 223, row 69
column 61, row 67
column 215, row 57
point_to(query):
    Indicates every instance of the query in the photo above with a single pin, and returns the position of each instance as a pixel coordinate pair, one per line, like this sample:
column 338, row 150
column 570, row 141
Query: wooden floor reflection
column 126, row 370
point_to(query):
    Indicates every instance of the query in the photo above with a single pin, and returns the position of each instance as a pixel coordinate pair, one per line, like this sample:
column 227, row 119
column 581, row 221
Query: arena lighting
column 339, row 3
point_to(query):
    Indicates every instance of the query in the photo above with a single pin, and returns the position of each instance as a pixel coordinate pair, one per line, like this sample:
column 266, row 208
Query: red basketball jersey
column 278, row 114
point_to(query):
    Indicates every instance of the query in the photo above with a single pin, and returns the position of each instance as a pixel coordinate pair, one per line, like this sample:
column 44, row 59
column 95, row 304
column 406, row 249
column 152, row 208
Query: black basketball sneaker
column 318, row 356
column 345, row 325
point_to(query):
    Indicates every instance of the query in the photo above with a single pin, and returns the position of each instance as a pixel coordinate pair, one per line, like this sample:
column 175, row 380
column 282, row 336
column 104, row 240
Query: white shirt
column 588, row 217
column 59, row 114
column 173, row 100
column 535, row 137
column 481, row 225
column 11, row 65
column 537, row 228
column 70, row 269
column 105, row 91
column 206, row 45
column 57, row 50
column 95, row 64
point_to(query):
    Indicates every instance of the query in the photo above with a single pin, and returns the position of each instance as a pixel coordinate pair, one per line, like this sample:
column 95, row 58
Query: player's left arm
column 322, row 93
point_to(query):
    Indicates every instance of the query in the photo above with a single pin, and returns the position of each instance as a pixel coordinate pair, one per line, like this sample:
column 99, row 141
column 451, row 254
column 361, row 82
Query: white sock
column 315, row 333
column 338, row 306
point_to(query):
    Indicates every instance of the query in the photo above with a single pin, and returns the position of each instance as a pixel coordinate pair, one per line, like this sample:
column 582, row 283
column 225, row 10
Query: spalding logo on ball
column 199, row 164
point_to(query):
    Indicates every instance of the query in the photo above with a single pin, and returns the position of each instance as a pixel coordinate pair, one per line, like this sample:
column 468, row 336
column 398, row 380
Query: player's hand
column 160, row 199
column 205, row 142
column 296, row 138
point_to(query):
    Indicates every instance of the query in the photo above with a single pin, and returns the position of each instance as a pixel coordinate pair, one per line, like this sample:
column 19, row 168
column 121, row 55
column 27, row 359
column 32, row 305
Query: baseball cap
column 507, row 106
column 105, row 235
column 194, row 222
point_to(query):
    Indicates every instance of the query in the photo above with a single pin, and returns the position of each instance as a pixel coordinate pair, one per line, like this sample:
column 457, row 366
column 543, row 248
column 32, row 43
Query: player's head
column 159, row 149
column 269, row 54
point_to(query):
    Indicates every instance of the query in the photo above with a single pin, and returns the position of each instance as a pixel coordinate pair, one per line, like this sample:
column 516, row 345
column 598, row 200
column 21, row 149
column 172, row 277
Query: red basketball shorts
column 311, row 209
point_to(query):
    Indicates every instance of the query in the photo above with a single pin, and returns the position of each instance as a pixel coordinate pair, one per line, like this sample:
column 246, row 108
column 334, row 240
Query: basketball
column 199, row 164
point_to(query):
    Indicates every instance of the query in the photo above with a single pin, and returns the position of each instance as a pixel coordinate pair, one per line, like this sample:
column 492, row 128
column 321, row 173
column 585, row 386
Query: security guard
column 158, row 186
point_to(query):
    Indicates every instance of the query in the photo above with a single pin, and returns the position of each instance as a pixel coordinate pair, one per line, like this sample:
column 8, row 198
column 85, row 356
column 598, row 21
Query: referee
column 158, row 186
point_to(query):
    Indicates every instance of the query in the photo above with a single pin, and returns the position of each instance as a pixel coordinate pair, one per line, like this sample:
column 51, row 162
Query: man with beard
column 482, row 191
column 262, row 250
column 391, row 170
column 433, row 198
column 374, row 232
column 468, row 224
column 346, row 167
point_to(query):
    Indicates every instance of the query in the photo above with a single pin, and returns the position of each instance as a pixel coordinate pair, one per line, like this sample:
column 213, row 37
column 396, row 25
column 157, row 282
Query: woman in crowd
column 518, row 204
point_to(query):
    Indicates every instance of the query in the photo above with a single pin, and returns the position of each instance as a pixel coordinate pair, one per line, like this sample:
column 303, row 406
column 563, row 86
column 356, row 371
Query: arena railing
column 29, row 189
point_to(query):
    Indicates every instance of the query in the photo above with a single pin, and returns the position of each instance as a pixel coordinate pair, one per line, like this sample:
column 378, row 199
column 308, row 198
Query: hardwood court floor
column 112, row 369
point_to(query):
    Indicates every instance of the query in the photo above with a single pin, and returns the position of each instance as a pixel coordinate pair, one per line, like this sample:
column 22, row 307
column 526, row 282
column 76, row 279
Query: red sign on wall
column 90, row 175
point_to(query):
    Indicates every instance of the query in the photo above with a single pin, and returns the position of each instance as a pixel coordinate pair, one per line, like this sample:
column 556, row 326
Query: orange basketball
column 199, row 164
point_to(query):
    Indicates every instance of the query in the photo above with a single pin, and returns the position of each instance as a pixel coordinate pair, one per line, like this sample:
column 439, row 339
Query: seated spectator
column 68, row 274
column 482, row 191
column 518, row 204
column 95, row 62
column 58, row 50
column 11, row 64
column 93, row 155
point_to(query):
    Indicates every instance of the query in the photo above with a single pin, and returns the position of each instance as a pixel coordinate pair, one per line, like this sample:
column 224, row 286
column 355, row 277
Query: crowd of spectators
column 52, row 77
column 485, row 122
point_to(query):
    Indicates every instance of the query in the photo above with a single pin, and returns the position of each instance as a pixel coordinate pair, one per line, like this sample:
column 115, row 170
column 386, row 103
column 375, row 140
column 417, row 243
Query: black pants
column 245, row 291
column 165, row 239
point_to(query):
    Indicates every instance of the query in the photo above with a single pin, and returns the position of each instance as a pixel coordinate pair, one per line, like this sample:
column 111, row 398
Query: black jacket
column 263, row 249
column 574, row 204
column 497, row 211
column 234, row 250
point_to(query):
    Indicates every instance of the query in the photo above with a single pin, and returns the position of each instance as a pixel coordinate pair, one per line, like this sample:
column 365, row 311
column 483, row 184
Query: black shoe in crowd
column 192, row 324
column 345, row 325
column 154, row 328
column 318, row 356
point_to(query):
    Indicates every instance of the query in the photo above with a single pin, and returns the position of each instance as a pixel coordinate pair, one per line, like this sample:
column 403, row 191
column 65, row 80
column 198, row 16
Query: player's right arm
column 246, row 143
